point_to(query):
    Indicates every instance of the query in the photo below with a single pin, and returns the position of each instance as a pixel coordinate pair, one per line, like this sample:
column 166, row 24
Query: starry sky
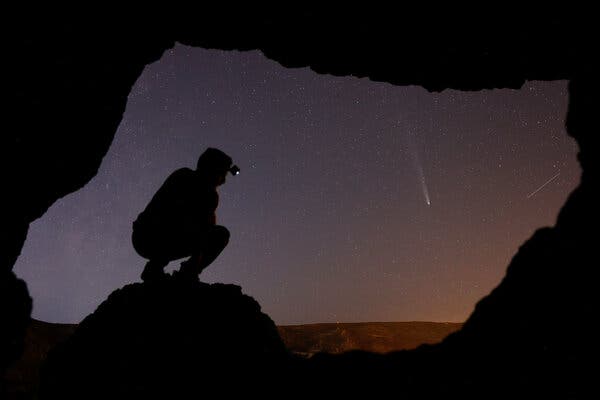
column 357, row 200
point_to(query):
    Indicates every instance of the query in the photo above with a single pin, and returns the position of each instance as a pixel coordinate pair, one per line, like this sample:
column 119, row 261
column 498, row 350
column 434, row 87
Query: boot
column 190, row 268
column 153, row 271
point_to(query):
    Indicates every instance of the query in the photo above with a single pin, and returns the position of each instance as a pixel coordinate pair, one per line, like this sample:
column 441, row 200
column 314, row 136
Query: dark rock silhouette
column 378, row 337
column 166, row 337
column 15, row 308
column 22, row 378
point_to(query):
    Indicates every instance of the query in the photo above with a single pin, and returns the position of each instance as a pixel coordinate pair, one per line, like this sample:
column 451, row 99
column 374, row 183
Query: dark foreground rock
column 15, row 308
column 170, row 337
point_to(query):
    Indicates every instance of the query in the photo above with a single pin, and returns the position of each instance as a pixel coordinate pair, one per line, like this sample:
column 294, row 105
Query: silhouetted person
column 180, row 219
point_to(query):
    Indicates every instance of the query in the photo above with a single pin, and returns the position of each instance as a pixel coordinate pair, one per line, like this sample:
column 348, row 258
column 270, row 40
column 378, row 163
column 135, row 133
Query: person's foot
column 153, row 271
column 190, row 268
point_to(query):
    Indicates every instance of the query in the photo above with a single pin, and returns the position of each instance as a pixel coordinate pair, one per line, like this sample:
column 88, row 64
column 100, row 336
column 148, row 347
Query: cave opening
column 358, row 200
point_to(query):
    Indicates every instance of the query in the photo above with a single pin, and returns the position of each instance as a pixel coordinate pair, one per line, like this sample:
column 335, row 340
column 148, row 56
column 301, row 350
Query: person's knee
column 140, row 244
column 222, row 234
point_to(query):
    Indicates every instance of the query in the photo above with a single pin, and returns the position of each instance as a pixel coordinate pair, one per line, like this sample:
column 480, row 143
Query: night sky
column 357, row 200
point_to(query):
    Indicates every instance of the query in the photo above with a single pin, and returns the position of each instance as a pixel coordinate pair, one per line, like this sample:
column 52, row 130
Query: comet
column 424, row 185
column 419, row 168
column 541, row 187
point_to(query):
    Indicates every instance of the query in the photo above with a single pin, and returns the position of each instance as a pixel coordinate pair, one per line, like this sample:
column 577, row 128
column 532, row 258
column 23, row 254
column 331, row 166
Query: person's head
column 214, row 165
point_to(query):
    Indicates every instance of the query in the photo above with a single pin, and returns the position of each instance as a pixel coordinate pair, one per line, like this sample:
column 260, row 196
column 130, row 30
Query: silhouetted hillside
column 379, row 337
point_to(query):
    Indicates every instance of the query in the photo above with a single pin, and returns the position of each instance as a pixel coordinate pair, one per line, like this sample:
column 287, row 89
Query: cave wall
column 69, row 78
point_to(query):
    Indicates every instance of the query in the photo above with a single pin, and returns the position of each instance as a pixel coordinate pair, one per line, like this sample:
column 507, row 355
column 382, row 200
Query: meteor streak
column 541, row 187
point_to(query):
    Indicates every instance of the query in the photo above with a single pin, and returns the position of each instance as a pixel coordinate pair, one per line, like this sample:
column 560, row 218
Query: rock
column 170, row 336
column 15, row 308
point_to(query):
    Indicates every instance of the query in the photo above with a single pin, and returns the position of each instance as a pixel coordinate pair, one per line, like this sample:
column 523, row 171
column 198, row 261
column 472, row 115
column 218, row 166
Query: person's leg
column 211, row 244
column 150, row 246
column 154, row 270
column 217, row 240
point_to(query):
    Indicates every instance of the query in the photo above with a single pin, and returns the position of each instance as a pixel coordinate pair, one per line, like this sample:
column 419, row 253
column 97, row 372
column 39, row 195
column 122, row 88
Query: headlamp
column 235, row 170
